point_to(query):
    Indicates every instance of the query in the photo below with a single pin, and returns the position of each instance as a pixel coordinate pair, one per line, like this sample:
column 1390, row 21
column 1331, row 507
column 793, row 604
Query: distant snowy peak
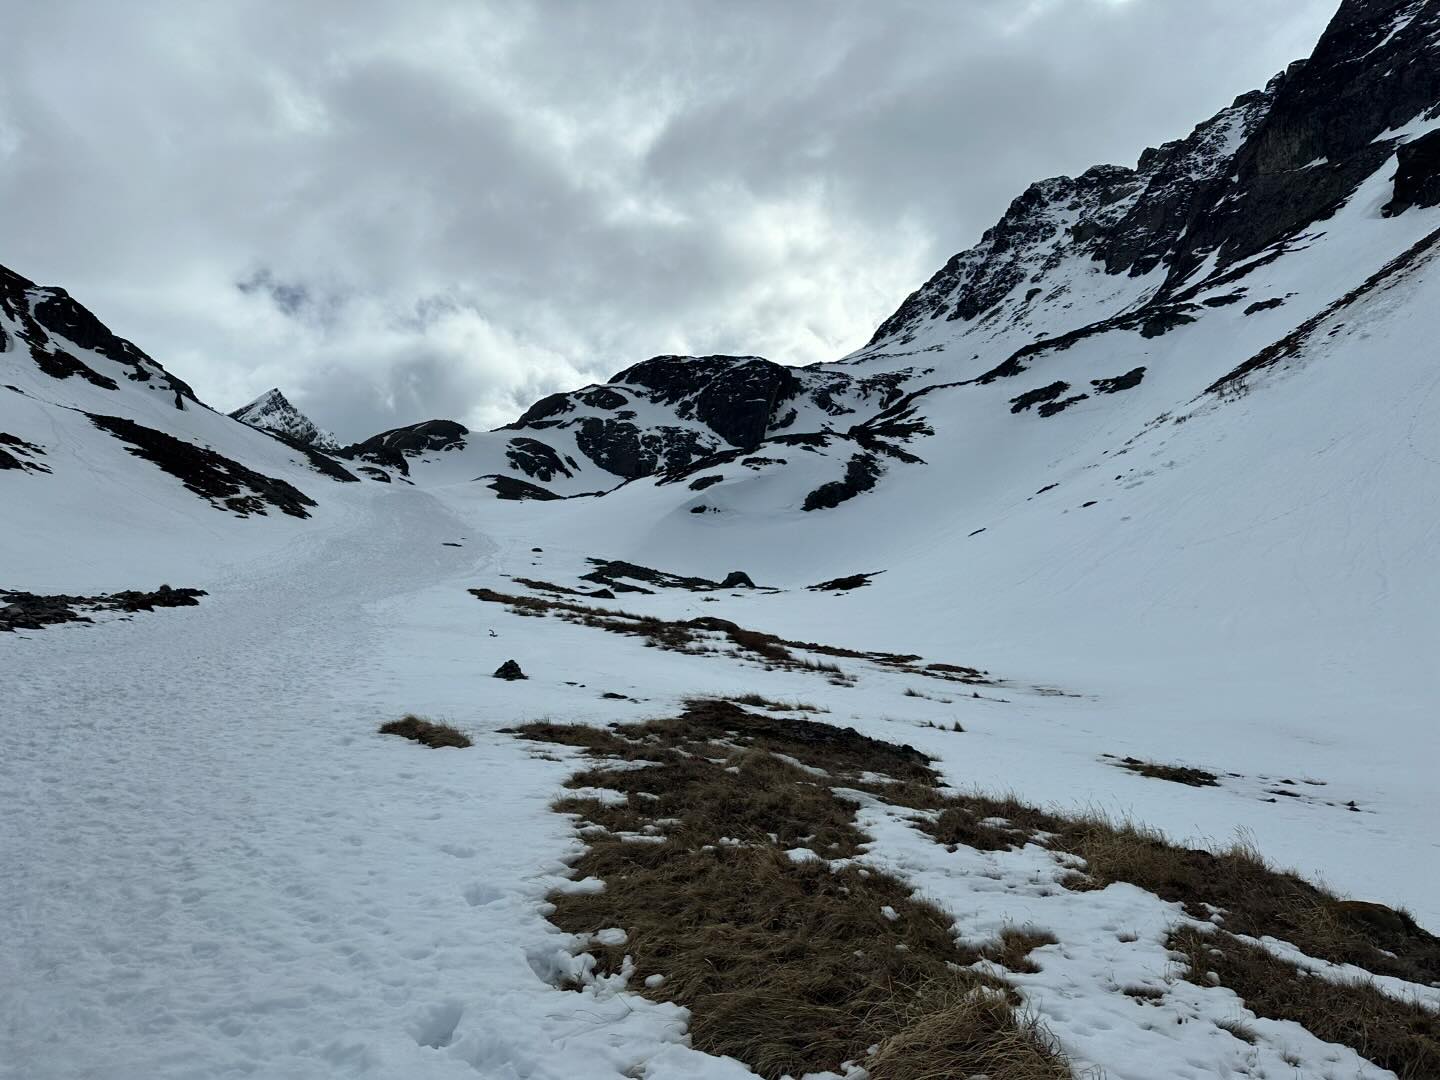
column 272, row 411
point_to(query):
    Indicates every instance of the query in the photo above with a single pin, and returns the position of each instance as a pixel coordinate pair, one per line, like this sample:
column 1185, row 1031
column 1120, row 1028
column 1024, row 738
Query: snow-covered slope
column 112, row 447
column 272, row 411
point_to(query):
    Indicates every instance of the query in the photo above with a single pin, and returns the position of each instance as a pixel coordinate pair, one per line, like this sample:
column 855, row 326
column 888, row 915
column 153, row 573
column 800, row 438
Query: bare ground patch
column 726, row 840
column 1396, row 1035
column 1176, row 774
column 706, row 637
column 1235, row 884
column 426, row 732
column 724, row 865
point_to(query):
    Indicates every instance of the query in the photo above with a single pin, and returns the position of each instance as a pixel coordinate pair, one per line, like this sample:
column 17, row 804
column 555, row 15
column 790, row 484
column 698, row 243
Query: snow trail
column 214, row 867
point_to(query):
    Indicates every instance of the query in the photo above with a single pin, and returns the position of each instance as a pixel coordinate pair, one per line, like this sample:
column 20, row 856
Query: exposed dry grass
column 759, row 701
column 690, row 637
column 1012, row 951
column 796, row 966
column 425, row 732
column 788, row 963
column 1255, row 898
column 1396, row 1035
column 598, row 742
column 1239, row 1029
column 1144, row 993
column 954, row 1029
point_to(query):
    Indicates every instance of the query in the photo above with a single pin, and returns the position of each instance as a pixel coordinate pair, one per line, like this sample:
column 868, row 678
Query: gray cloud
column 397, row 211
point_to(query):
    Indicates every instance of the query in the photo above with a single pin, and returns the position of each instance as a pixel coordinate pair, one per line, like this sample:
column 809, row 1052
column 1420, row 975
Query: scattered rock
column 1050, row 408
column 845, row 584
column 1264, row 305
column 510, row 671
column 1022, row 402
column 1117, row 383
column 28, row 611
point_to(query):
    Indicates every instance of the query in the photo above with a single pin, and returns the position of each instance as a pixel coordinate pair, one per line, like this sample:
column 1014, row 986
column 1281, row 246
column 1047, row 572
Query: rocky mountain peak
column 52, row 327
column 273, row 412
column 1122, row 220
column 1334, row 121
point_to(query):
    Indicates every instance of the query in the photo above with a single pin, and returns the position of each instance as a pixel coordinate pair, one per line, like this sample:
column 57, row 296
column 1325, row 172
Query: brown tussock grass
column 425, row 732
column 1397, row 1035
column 792, row 965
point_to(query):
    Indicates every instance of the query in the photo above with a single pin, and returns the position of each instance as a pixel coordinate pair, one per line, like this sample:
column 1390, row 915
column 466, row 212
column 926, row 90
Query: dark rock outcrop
column 391, row 448
column 516, row 490
column 1024, row 401
column 225, row 483
column 510, row 672
column 1128, row 381
column 862, row 473
column 16, row 453
column 1373, row 71
column 535, row 459
column 51, row 322
column 1417, row 179
column 734, row 396
column 29, row 611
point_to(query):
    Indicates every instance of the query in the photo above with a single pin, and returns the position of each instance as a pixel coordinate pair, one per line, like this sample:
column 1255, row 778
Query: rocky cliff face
column 1071, row 252
column 272, row 411
column 52, row 328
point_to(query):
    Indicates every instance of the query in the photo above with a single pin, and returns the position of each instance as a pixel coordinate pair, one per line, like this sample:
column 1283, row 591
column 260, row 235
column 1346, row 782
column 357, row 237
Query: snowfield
column 1193, row 528
column 220, row 869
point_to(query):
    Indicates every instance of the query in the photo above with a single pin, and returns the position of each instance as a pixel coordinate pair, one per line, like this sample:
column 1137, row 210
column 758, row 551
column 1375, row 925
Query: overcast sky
column 401, row 210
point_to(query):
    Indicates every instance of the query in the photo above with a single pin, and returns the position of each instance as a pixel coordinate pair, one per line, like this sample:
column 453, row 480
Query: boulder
column 510, row 671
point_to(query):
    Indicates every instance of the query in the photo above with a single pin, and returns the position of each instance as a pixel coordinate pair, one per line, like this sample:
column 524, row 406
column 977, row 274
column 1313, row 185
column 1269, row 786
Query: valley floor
column 212, row 865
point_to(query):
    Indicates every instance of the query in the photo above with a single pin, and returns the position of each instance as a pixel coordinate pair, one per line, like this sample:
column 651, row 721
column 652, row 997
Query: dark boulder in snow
column 510, row 671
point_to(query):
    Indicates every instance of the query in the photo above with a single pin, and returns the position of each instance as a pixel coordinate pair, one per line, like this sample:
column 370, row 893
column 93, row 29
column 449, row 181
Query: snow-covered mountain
column 1143, row 474
column 272, row 411
column 113, row 449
